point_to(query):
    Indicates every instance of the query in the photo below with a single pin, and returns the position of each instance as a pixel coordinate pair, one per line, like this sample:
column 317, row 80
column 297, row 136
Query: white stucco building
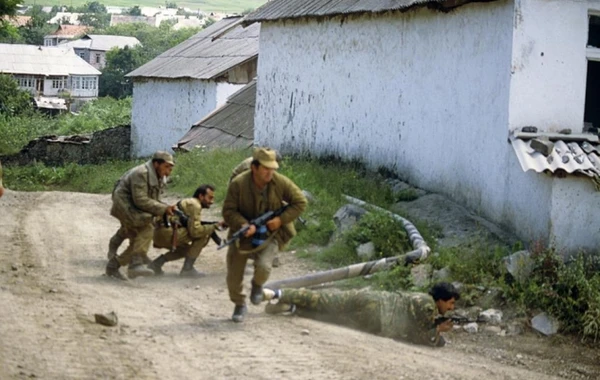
column 434, row 90
column 187, row 82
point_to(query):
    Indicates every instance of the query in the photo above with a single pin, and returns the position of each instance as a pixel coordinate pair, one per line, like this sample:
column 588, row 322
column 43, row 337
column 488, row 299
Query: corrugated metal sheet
column 231, row 126
column 39, row 60
column 569, row 156
column 101, row 42
column 208, row 54
column 293, row 9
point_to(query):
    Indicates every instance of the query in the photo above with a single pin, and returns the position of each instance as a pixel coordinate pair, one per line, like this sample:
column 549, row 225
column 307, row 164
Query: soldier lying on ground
column 403, row 316
column 191, row 238
column 136, row 201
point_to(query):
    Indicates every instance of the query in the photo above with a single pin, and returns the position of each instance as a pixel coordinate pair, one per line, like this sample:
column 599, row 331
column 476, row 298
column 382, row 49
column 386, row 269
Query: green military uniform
column 190, row 240
column 242, row 167
column 244, row 202
column 136, row 200
column 403, row 316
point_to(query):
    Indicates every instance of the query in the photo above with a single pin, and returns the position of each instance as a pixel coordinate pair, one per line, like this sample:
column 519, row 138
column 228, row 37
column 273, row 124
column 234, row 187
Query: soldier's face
column 444, row 306
column 163, row 170
column 262, row 174
column 208, row 199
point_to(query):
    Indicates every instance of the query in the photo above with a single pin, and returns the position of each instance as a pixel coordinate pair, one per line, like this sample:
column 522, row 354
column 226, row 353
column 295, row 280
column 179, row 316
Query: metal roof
column 230, row 126
column 42, row 60
column 101, row 42
column 295, row 9
column 571, row 154
column 208, row 54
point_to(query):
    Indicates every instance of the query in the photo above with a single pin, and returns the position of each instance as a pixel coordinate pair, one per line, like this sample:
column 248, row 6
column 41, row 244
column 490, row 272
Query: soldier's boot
column 188, row 269
column 113, row 245
column 112, row 269
column 256, row 294
column 157, row 264
column 139, row 270
column 276, row 262
column 238, row 313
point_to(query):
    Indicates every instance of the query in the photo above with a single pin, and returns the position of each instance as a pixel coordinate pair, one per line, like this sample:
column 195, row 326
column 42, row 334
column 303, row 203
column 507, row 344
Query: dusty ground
column 52, row 261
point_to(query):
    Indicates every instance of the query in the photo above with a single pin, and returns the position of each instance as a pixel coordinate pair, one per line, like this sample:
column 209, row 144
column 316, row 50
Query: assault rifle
column 183, row 221
column 459, row 320
column 260, row 223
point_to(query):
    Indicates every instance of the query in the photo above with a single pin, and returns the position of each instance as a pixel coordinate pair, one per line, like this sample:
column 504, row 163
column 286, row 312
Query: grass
column 222, row 6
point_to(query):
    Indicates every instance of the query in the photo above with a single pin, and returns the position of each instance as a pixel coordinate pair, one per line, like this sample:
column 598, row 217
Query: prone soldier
column 404, row 316
column 136, row 201
column 191, row 235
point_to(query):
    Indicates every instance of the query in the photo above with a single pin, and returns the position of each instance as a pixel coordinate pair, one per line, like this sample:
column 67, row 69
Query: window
column 82, row 54
column 26, row 81
column 592, row 95
column 59, row 83
column 97, row 58
column 84, row 83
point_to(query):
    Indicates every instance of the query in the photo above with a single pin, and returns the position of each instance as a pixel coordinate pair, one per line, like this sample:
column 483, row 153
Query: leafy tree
column 119, row 62
column 171, row 4
column 13, row 100
column 96, row 20
column 209, row 21
column 93, row 7
column 37, row 27
column 134, row 11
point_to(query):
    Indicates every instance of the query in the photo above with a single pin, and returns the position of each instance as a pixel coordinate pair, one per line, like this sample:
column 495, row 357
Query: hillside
column 222, row 6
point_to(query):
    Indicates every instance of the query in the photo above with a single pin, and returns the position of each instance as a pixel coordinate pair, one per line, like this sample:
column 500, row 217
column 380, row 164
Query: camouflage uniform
column 245, row 202
column 136, row 200
column 402, row 316
column 190, row 240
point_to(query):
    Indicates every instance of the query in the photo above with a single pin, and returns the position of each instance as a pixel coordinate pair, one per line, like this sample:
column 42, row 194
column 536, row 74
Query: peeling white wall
column 225, row 90
column 163, row 111
column 548, row 87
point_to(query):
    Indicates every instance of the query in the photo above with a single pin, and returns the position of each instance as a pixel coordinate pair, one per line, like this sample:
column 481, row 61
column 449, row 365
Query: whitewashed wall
column 163, row 111
column 548, row 81
column 423, row 92
column 225, row 90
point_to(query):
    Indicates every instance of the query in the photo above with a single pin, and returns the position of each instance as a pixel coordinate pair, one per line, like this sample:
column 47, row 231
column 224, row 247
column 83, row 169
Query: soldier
column 191, row 236
column 1, row 187
column 403, row 316
column 244, row 166
column 250, row 195
column 136, row 201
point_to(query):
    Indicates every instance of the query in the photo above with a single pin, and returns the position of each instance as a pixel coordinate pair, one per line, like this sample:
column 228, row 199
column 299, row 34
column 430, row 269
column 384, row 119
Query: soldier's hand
column 170, row 209
column 274, row 224
column 222, row 225
column 445, row 326
column 251, row 231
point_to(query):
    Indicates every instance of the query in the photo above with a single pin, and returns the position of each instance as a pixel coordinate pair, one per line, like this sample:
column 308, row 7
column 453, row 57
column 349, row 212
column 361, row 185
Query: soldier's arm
column 293, row 195
column 231, row 214
column 195, row 228
column 425, row 331
column 141, row 200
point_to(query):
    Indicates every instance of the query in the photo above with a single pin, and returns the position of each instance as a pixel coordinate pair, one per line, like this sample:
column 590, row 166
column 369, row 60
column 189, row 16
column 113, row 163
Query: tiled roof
column 71, row 30
column 230, row 126
column 567, row 153
column 16, row 21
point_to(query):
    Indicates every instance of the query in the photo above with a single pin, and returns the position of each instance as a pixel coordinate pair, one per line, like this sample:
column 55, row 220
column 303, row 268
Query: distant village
column 63, row 73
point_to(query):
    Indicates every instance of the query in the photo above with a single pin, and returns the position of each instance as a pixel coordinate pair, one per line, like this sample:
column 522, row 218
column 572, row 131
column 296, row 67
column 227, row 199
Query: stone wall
column 101, row 146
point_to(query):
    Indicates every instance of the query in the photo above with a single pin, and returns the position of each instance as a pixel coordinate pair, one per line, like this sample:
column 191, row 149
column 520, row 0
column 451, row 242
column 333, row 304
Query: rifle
column 260, row 223
column 459, row 320
column 183, row 221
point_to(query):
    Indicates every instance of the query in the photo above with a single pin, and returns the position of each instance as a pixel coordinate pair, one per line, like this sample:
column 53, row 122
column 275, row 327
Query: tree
column 93, row 7
column 13, row 100
column 37, row 27
column 96, row 20
column 134, row 11
column 119, row 62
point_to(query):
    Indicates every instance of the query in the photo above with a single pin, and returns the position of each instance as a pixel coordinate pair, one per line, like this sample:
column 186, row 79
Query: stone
column 491, row 316
column 441, row 275
column 109, row 319
column 421, row 275
column 347, row 216
column 471, row 328
column 494, row 330
column 545, row 147
column 545, row 324
column 566, row 131
column 305, row 332
column 519, row 265
column 366, row 251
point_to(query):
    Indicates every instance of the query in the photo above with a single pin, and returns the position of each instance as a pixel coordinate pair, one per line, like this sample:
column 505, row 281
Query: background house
column 187, row 82
column 51, row 74
column 93, row 47
column 433, row 89
column 229, row 126
column 65, row 33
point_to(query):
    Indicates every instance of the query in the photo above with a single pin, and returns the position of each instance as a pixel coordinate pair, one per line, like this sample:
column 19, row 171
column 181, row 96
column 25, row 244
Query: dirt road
column 52, row 259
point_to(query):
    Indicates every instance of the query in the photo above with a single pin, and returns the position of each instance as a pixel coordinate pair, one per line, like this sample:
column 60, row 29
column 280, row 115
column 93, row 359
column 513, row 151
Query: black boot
column 188, row 269
column 113, row 245
column 238, row 313
column 112, row 269
column 256, row 294
column 157, row 264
